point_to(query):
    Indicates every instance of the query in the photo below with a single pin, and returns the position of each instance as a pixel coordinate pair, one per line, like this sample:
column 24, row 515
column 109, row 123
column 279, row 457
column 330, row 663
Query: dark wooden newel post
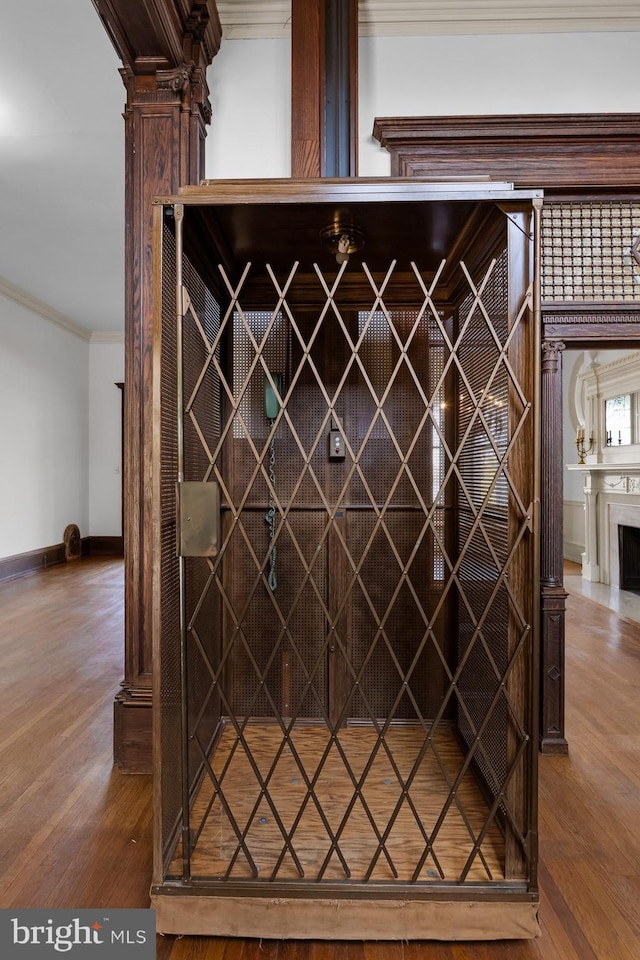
column 165, row 47
column 553, row 595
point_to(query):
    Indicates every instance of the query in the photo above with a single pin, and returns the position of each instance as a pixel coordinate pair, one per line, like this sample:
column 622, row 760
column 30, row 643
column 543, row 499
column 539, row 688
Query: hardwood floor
column 74, row 832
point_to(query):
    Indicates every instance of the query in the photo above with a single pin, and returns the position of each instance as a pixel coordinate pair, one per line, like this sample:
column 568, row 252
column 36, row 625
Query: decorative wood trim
column 584, row 323
column 42, row 309
column 553, row 596
column 33, row 561
column 553, row 604
column 552, row 467
column 176, row 30
column 556, row 152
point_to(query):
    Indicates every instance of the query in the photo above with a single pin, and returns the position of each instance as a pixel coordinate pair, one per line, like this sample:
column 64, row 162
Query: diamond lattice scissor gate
column 345, row 576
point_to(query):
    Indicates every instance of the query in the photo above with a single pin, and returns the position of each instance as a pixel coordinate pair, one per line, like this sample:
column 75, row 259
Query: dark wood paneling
column 552, row 151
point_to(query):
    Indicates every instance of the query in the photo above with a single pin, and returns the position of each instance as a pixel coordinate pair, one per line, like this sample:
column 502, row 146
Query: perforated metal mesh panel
column 170, row 628
column 401, row 430
column 586, row 251
column 483, row 610
column 201, row 432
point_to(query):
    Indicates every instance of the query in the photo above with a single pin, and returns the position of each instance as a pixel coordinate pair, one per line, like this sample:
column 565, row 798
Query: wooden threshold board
column 334, row 790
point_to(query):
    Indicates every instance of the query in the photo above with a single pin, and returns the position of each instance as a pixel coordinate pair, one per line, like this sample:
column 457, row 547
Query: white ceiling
column 62, row 135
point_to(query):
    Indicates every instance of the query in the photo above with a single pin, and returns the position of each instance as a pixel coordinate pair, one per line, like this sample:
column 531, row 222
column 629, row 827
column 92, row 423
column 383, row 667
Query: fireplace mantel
column 612, row 499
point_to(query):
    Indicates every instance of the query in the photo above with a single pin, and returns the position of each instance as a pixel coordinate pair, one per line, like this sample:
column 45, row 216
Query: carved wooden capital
column 551, row 350
column 176, row 80
column 185, row 86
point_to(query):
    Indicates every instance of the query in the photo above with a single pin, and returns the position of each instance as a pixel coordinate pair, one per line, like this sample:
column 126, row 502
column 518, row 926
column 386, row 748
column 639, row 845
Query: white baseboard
column 573, row 551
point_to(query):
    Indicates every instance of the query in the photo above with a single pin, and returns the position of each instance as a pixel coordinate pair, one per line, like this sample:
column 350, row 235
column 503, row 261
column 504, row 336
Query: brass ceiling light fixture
column 342, row 238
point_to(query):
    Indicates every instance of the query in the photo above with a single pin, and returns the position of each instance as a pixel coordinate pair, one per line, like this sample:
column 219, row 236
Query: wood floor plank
column 75, row 832
column 217, row 844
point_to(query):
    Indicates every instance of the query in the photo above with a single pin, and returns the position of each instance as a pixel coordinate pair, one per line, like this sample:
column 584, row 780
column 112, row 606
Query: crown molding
column 270, row 19
column 255, row 19
column 107, row 336
column 441, row 17
column 42, row 309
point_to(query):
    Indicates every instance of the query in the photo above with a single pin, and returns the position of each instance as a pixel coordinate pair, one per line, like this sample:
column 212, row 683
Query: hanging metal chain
column 270, row 515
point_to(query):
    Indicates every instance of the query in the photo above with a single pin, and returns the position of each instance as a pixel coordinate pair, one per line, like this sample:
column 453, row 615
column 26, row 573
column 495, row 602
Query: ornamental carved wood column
column 165, row 47
column 553, row 594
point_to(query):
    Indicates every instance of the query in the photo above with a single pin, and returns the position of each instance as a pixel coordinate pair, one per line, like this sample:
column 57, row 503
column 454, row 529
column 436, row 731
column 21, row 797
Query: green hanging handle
column 271, row 399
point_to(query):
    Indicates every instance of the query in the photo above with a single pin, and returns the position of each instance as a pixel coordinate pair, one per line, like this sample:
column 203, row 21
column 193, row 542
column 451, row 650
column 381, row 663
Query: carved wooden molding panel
column 557, row 152
column 161, row 34
column 578, row 323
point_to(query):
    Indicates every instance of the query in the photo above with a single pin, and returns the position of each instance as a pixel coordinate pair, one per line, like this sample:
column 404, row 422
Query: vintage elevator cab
column 345, row 503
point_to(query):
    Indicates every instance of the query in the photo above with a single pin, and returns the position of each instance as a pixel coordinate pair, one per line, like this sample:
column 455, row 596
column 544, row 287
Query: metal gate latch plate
column 198, row 518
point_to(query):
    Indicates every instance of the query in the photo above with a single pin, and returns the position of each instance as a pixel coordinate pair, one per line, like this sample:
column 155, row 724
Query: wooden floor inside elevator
column 77, row 833
column 312, row 800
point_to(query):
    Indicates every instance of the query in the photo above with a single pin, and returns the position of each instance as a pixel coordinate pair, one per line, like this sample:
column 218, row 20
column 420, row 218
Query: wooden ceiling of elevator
column 280, row 234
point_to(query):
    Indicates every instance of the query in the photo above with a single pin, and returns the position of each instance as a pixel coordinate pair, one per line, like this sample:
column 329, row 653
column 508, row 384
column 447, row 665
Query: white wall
column 250, row 136
column 44, row 431
column 572, row 362
column 250, row 83
column 573, row 496
column 575, row 362
column 106, row 368
column 538, row 73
